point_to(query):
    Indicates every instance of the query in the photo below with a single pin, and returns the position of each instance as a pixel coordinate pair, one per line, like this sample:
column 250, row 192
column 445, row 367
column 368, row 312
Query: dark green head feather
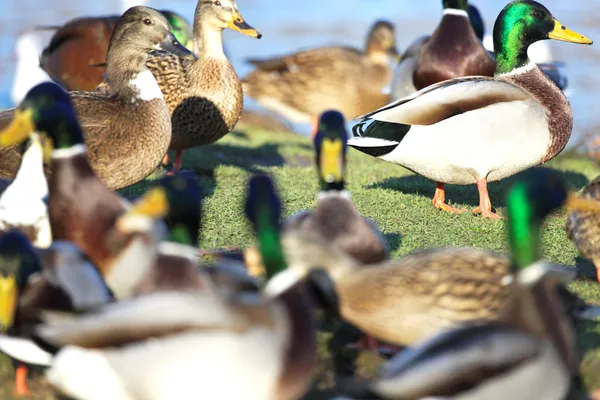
column 185, row 208
column 179, row 26
column 263, row 209
column 534, row 195
column 456, row 4
column 18, row 257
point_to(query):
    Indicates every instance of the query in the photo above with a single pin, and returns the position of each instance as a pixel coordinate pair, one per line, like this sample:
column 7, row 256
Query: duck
column 429, row 131
column 58, row 278
column 274, row 330
column 23, row 203
column 81, row 208
column 128, row 131
column 335, row 217
column 583, row 228
column 404, row 301
column 77, row 49
column 303, row 85
column 453, row 50
column 204, row 96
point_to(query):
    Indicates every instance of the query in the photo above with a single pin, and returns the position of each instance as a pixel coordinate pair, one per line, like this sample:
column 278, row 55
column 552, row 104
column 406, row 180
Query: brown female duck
column 583, row 228
column 77, row 49
column 303, row 85
column 127, row 131
column 204, row 96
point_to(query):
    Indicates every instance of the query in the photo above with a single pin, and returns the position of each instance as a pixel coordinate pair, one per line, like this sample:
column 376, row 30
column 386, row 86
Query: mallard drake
column 81, row 208
column 335, row 218
column 583, row 228
column 452, row 51
column 58, row 279
column 23, row 203
column 204, row 96
column 407, row 300
column 77, row 49
column 303, row 85
column 435, row 131
column 274, row 332
column 127, row 132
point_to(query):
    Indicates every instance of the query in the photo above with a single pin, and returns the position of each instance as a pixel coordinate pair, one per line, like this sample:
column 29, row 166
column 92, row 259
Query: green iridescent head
column 522, row 23
column 181, row 28
column 263, row 209
column 46, row 109
column 456, row 4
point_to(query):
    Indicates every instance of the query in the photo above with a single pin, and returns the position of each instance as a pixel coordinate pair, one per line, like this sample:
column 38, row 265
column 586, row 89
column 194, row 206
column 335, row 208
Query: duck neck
column 128, row 76
column 31, row 171
column 510, row 46
column 208, row 39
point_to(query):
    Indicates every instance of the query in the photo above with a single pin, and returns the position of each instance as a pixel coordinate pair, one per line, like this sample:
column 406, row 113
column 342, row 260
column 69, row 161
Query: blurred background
column 291, row 25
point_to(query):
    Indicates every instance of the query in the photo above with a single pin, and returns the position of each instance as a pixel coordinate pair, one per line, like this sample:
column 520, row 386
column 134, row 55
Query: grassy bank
column 397, row 200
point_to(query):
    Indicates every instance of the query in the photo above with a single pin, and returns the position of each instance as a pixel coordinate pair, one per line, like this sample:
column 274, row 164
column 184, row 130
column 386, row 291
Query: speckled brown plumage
column 452, row 51
column 307, row 83
column 205, row 97
column 549, row 96
column 583, row 228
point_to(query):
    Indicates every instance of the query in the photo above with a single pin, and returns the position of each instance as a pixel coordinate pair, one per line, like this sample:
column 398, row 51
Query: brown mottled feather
column 583, row 228
column 452, row 51
column 321, row 79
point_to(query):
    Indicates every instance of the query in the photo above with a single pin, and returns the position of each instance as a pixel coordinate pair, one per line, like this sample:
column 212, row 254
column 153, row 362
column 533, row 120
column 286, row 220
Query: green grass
column 396, row 199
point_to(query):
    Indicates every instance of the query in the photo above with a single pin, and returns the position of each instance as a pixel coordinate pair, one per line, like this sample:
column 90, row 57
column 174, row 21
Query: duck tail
column 377, row 138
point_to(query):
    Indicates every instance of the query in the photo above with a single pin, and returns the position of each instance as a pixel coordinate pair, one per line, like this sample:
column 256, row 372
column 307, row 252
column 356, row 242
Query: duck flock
column 108, row 297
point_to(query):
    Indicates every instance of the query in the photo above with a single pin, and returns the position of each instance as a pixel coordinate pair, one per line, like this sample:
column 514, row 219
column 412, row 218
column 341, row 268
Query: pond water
column 290, row 25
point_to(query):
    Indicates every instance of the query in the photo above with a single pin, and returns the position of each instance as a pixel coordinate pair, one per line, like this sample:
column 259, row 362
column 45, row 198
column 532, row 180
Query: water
column 290, row 25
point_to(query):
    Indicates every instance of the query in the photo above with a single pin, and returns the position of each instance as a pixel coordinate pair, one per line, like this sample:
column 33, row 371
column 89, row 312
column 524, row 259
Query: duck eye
column 147, row 21
column 537, row 14
column 217, row 3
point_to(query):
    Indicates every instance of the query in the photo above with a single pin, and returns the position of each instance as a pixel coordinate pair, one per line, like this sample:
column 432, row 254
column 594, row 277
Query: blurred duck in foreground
column 128, row 132
column 204, row 96
column 335, row 217
column 77, row 49
column 411, row 299
column 273, row 330
column 303, row 85
column 583, row 228
column 479, row 129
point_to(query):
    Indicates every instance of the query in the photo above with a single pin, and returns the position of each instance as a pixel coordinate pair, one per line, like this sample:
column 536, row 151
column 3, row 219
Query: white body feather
column 496, row 141
column 23, row 202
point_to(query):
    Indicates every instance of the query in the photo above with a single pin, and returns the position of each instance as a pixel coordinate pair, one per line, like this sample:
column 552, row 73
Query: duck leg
column 485, row 204
column 439, row 200
column 21, row 388
column 177, row 165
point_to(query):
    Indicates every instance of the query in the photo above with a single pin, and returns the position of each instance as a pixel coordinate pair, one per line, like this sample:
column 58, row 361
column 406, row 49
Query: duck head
column 381, row 39
column 331, row 142
column 145, row 29
column 225, row 14
column 534, row 195
column 455, row 4
column 18, row 261
column 184, row 198
column 522, row 23
column 47, row 110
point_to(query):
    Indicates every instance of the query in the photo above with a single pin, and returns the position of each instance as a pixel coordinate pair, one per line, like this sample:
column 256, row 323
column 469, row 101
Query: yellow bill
column 153, row 204
column 19, row 129
column 331, row 160
column 581, row 204
column 8, row 301
column 564, row 34
column 253, row 260
column 237, row 23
